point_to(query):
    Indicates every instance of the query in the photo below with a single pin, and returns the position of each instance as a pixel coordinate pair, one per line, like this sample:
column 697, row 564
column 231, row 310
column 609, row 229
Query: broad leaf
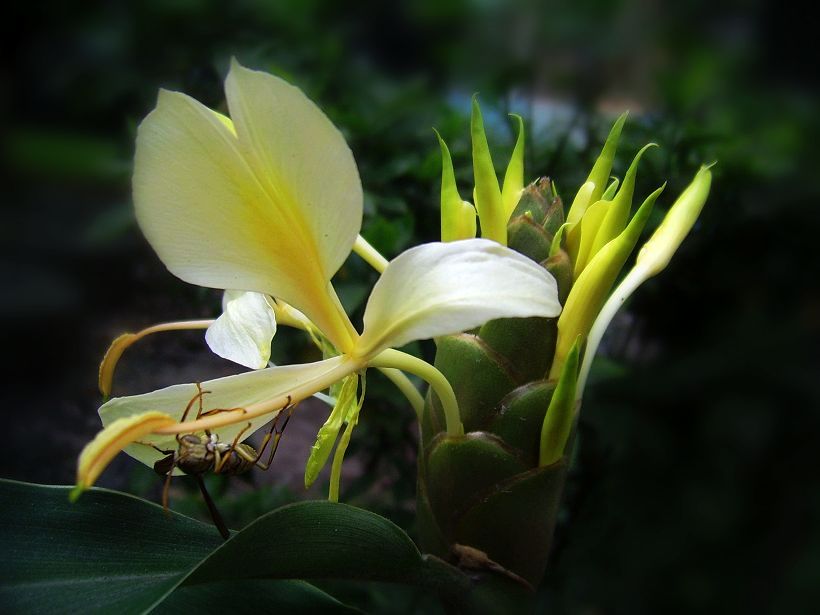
column 109, row 552
column 112, row 552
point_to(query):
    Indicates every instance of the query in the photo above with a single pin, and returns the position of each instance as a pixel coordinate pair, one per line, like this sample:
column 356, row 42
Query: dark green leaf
column 322, row 539
column 109, row 552
column 252, row 596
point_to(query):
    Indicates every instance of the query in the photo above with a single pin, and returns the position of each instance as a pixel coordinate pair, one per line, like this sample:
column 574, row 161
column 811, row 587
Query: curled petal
column 104, row 447
column 442, row 288
column 244, row 331
column 105, row 376
column 121, row 344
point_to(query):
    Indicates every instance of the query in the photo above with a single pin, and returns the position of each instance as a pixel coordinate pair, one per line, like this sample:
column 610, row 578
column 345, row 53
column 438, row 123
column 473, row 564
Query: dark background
column 696, row 485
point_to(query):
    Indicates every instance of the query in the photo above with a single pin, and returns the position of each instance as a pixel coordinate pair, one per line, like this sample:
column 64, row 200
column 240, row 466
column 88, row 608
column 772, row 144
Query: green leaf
column 109, row 552
column 112, row 552
column 321, row 539
column 252, row 596
column 618, row 213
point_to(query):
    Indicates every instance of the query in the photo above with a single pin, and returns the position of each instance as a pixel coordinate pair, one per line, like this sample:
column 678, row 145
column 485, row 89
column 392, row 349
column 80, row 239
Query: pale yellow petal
column 238, row 391
column 302, row 161
column 213, row 222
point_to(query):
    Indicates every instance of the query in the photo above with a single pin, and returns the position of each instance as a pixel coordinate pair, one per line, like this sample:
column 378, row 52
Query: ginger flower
column 267, row 205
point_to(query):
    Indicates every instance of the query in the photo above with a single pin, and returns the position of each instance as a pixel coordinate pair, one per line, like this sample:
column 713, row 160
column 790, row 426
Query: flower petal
column 442, row 288
column 244, row 331
column 231, row 392
column 109, row 442
column 215, row 222
column 302, row 160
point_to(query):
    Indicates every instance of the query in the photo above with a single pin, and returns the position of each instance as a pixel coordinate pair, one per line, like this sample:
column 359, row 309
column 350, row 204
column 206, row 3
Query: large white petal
column 244, row 331
column 230, row 392
column 442, row 288
column 302, row 160
column 214, row 222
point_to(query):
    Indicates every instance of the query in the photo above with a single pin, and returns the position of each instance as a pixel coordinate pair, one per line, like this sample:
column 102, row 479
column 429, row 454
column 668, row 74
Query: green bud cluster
column 518, row 382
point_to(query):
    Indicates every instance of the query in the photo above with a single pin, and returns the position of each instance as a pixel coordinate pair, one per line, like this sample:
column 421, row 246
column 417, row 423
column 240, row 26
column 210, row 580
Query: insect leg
column 220, row 464
column 219, row 522
column 199, row 395
column 276, row 438
column 166, row 487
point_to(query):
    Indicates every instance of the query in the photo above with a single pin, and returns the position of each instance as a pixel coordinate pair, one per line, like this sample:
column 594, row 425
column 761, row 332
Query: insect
column 197, row 455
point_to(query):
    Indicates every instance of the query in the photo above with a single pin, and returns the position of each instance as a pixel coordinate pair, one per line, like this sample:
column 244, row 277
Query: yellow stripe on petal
column 110, row 441
column 302, row 160
column 217, row 219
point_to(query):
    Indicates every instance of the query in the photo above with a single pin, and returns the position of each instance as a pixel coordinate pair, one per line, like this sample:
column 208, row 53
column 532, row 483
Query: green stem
column 404, row 385
column 428, row 373
column 369, row 254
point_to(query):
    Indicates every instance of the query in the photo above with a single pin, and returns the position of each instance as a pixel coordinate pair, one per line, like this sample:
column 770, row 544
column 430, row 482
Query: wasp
column 196, row 455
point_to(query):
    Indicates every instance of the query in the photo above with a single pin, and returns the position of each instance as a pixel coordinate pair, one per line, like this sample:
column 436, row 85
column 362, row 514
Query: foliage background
column 695, row 487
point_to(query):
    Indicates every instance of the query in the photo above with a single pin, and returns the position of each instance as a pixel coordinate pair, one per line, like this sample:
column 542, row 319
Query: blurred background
column 696, row 485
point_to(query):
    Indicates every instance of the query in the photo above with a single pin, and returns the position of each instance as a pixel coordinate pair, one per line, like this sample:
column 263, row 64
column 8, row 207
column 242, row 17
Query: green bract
column 519, row 381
